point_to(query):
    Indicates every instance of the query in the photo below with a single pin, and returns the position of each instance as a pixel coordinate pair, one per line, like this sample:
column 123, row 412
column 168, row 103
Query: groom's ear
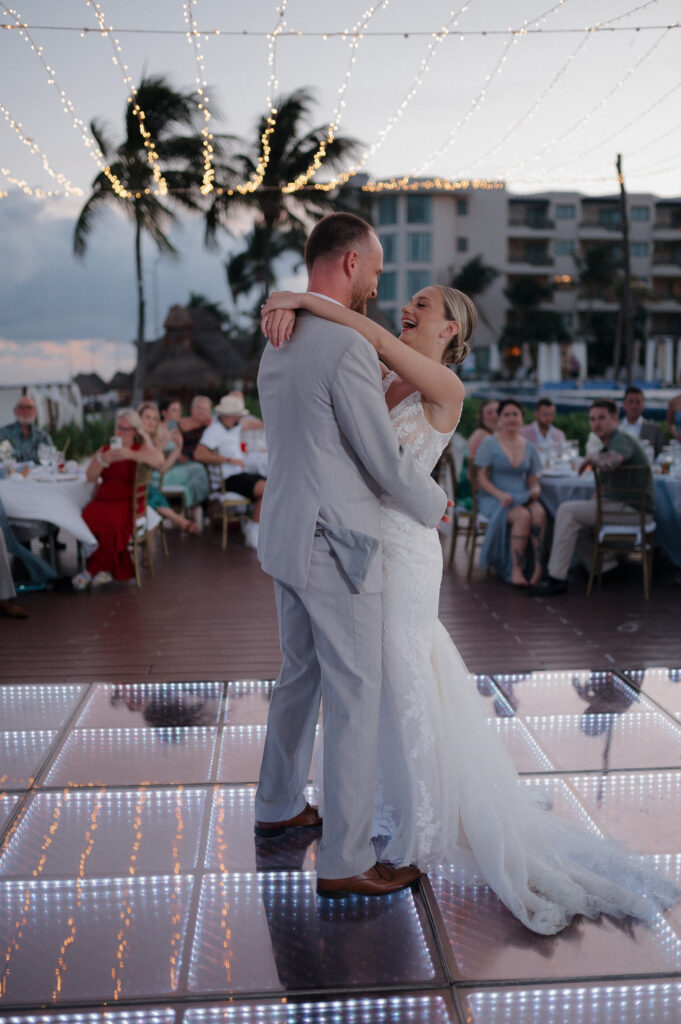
column 349, row 262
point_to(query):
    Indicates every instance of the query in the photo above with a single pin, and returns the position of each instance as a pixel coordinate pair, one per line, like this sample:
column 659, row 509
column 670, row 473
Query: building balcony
column 523, row 263
column 532, row 224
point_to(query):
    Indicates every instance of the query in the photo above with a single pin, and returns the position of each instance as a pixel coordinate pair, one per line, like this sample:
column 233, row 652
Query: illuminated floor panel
column 271, row 932
column 119, row 757
column 654, row 1003
column 92, row 940
column 132, row 871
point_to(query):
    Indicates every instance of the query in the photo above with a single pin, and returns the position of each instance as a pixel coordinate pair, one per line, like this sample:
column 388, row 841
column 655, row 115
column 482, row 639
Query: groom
column 332, row 453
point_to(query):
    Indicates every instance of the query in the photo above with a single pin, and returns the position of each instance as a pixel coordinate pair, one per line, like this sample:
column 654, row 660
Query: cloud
column 43, row 362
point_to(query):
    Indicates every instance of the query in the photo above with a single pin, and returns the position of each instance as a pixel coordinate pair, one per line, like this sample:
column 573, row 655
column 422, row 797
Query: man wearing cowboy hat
column 220, row 445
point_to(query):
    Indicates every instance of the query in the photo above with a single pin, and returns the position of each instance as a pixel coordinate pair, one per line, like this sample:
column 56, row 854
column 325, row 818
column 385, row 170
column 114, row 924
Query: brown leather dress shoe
column 308, row 818
column 12, row 610
column 380, row 880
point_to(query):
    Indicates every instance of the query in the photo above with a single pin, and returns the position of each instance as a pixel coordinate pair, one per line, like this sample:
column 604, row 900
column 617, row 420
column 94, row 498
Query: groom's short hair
column 334, row 235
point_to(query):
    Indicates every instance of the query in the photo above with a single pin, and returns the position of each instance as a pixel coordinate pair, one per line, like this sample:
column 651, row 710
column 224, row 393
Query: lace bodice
column 413, row 430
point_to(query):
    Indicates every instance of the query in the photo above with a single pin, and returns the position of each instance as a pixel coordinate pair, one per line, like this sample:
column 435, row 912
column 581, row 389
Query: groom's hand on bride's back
column 446, row 518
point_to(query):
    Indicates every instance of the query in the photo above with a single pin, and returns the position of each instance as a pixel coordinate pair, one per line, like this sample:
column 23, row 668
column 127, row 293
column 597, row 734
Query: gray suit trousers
column 331, row 647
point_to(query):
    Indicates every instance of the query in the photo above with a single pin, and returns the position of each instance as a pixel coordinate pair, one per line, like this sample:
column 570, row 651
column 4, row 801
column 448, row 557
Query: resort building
column 567, row 243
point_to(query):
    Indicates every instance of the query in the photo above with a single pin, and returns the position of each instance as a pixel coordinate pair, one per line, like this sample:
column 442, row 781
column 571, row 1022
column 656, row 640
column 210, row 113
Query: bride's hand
column 277, row 324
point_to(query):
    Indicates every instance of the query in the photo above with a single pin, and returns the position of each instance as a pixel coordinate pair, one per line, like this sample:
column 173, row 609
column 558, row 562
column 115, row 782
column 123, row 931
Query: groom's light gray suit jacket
column 332, row 450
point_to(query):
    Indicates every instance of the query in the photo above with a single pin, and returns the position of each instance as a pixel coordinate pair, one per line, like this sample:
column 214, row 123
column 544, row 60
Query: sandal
column 82, row 580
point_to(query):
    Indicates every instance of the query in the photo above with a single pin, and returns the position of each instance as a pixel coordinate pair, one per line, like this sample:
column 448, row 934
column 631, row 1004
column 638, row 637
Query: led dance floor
column 133, row 890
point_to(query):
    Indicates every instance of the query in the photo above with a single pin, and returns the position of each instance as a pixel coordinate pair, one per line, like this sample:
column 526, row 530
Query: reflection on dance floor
column 132, row 888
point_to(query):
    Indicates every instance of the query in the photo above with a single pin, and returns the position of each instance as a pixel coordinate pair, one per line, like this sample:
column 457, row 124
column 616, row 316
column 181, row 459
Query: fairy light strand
column 193, row 39
column 152, row 155
column 35, row 149
column 578, row 125
column 318, row 158
column 424, row 67
column 479, row 100
column 68, row 107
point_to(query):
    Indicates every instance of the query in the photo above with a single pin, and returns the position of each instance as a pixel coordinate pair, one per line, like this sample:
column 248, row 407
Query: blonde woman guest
column 160, row 436
column 109, row 514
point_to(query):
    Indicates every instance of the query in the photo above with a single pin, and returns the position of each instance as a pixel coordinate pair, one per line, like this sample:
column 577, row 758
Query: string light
column 90, row 144
column 559, row 139
column 204, row 100
column 482, row 95
column 34, row 148
column 35, row 191
column 424, row 68
column 357, row 36
column 152, row 155
column 408, row 184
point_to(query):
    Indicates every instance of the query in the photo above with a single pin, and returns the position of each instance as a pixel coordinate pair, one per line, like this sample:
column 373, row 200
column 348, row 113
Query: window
column 418, row 247
column 639, row 213
column 564, row 247
column 387, row 210
column 462, row 207
column 387, row 287
column 639, row 248
column 416, row 280
column 389, row 243
column 610, row 219
column 462, row 244
column 565, row 211
column 568, row 320
column 419, row 209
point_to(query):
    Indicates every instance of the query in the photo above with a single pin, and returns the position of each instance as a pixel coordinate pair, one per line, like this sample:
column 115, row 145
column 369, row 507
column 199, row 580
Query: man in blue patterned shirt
column 23, row 434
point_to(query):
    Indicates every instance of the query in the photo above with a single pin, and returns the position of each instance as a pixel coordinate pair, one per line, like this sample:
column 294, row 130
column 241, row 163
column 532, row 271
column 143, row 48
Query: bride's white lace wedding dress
column 446, row 785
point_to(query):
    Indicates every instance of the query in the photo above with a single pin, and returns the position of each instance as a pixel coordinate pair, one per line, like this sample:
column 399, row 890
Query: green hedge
column 84, row 441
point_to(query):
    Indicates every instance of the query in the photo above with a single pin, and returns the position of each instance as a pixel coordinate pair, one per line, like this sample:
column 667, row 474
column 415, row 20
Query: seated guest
column 109, row 514
column 159, row 435
column 23, row 434
column 220, row 445
column 486, row 423
column 508, row 481
column 576, row 519
column 178, row 437
column 541, row 431
column 673, row 417
column 633, row 423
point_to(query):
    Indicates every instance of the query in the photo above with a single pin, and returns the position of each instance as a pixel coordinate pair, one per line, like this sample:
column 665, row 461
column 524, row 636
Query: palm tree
column 281, row 220
column 180, row 161
column 473, row 279
column 526, row 320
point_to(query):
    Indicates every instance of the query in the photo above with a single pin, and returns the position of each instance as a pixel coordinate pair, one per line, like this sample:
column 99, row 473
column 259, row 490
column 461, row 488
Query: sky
column 430, row 89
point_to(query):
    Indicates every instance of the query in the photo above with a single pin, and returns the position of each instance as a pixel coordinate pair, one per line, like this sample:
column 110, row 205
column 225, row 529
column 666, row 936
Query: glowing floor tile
column 22, row 755
column 241, row 753
column 491, row 696
column 489, row 944
column 151, row 705
column 85, row 833
column 564, row 693
column 662, row 684
column 94, row 757
column 91, row 940
column 37, row 707
column 433, row 1008
column 248, row 701
column 232, row 846
column 555, row 795
column 635, row 740
column 149, row 1015
column 596, row 1003
column 8, row 802
column 271, row 932
column 523, row 749
column 642, row 809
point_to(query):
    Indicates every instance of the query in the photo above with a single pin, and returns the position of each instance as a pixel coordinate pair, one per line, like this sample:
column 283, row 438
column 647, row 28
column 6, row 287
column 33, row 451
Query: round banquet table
column 52, row 498
column 557, row 488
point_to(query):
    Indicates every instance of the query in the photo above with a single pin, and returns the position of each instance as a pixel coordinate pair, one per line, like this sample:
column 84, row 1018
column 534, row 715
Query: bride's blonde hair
column 460, row 308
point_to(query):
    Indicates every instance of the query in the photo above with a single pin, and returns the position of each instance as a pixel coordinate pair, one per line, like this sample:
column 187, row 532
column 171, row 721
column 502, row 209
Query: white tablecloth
column 53, row 501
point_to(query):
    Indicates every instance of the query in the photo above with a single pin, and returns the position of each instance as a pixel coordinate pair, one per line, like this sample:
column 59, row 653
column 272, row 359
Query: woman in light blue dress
column 508, row 495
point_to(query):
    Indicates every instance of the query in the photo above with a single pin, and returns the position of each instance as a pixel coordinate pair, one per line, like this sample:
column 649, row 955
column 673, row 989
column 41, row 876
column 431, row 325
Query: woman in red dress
column 109, row 514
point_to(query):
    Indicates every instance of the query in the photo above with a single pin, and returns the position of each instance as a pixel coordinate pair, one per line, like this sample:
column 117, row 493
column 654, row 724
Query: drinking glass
column 44, row 454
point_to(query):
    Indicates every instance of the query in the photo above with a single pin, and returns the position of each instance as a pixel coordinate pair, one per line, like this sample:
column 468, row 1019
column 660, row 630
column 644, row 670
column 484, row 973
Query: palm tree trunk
column 266, row 260
column 138, row 377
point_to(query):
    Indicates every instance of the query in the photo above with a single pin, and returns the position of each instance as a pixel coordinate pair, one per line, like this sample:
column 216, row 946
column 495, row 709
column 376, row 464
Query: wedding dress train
column 447, row 787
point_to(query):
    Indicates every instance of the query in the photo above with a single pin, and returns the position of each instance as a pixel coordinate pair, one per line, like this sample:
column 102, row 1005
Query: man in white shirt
column 220, row 445
column 541, row 432
column 633, row 423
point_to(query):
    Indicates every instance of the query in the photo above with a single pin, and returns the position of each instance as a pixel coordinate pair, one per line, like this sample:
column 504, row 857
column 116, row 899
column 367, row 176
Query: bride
column 446, row 786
